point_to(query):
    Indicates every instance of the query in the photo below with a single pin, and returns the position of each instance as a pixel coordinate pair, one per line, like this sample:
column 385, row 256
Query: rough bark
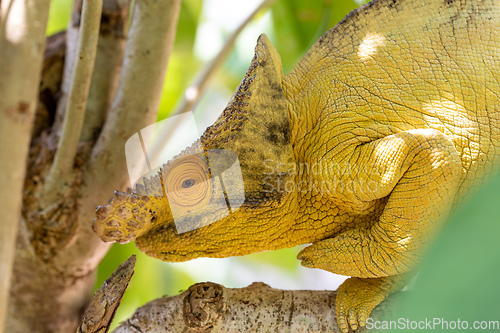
column 57, row 252
column 210, row 307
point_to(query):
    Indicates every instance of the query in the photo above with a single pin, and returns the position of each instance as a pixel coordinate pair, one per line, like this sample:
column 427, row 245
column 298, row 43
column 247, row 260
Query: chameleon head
column 208, row 218
column 197, row 205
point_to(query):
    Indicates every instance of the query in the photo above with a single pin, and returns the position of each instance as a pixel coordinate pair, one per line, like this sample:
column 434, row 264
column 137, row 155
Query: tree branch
column 109, row 57
column 62, row 167
column 210, row 307
column 22, row 28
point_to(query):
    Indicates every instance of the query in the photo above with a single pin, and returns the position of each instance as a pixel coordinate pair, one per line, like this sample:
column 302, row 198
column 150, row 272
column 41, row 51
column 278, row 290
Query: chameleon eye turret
column 187, row 183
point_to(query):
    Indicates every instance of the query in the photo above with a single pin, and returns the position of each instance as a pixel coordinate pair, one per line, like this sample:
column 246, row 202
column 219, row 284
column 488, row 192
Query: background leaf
column 459, row 277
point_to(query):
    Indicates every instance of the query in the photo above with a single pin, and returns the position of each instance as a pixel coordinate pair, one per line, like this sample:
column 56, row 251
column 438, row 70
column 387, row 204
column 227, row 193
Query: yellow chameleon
column 390, row 120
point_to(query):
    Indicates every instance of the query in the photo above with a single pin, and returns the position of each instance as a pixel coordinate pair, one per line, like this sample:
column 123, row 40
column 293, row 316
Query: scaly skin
column 387, row 123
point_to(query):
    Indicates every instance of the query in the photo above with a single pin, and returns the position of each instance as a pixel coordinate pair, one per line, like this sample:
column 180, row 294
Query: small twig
column 196, row 90
column 62, row 166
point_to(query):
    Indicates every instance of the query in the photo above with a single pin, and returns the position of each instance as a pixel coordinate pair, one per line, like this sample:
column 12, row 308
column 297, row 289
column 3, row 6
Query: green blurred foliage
column 183, row 65
column 299, row 24
column 296, row 25
column 459, row 279
column 59, row 14
column 285, row 259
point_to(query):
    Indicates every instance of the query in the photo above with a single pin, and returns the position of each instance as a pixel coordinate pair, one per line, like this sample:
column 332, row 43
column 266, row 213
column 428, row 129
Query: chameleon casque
column 390, row 120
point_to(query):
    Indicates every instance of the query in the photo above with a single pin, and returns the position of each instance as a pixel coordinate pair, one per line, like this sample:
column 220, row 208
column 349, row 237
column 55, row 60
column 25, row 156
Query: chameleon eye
column 187, row 182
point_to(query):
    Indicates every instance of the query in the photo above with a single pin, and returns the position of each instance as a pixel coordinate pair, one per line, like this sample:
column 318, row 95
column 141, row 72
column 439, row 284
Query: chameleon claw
column 353, row 320
column 356, row 298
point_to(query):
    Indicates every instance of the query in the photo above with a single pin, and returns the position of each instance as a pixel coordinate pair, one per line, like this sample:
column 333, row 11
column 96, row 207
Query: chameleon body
column 389, row 121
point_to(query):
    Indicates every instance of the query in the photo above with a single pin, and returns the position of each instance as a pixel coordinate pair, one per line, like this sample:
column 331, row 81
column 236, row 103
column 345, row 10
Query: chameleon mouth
column 172, row 244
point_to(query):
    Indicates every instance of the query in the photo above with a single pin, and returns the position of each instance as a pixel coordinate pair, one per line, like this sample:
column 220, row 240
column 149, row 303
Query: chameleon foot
column 357, row 297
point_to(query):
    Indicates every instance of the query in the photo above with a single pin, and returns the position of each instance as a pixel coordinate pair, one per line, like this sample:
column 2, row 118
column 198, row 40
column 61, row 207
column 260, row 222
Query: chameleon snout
column 124, row 219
